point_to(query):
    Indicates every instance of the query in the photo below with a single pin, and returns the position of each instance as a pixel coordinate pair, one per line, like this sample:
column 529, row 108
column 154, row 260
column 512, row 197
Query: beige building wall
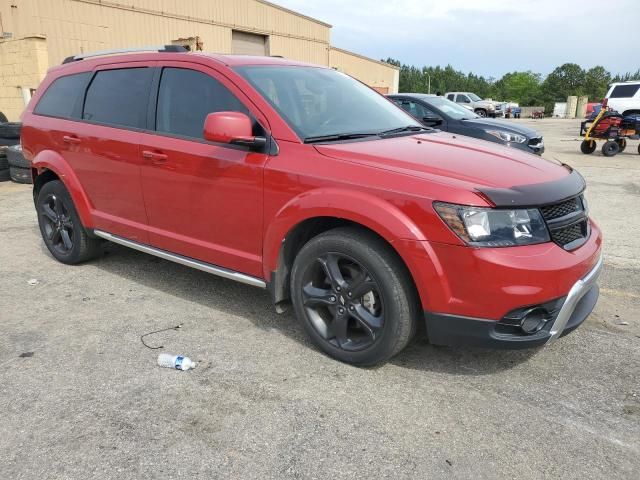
column 379, row 75
column 78, row 26
column 23, row 65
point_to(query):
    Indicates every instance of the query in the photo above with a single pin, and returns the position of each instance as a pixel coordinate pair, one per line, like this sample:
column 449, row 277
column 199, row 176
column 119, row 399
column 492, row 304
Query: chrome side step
column 189, row 262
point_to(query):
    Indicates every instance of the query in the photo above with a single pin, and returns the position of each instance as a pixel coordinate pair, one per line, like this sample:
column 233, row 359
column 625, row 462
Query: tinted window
column 62, row 95
column 451, row 96
column 415, row 109
column 451, row 109
column 624, row 91
column 185, row 99
column 463, row 99
column 119, row 97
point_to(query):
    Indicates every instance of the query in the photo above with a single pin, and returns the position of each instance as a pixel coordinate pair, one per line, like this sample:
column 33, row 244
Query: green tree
column 522, row 87
column 625, row 77
column 565, row 80
column 596, row 83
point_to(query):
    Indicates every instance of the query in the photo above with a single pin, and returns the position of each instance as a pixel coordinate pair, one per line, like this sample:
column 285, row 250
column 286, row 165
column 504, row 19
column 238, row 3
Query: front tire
column 60, row 226
column 481, row 113
column 588, row 146
column 354, row 296
column 610, row 148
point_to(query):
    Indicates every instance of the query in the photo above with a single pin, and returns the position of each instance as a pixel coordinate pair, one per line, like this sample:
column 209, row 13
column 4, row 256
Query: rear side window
column 185, row 99
column 119, row 97
column 451, row 96
column 624, row 91
column 62, row 96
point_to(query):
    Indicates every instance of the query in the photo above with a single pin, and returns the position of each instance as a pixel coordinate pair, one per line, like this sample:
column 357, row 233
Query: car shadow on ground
column 255, row 305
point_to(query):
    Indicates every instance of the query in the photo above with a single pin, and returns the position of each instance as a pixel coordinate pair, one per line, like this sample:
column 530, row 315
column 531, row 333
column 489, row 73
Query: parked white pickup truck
column 624, row 97
column 484, row 108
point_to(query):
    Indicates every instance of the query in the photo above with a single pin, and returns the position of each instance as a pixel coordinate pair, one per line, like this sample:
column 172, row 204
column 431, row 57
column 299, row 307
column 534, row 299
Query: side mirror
column 233, row 128
column 432, row 121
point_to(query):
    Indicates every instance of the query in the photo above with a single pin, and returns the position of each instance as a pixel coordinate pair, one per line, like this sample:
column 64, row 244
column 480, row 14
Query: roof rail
column 161, row 48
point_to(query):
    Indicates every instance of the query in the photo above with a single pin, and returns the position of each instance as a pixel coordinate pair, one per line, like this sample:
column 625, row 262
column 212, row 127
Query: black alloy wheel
column 343, row 302
column 62, row 231
column 354, row 296
column 58, row 226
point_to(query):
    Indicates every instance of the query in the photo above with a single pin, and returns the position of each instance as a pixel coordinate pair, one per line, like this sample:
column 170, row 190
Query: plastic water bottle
column 178, row 362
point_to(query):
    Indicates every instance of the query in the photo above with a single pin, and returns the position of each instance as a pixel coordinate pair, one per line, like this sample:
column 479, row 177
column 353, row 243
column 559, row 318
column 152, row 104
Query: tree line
column 526, row 88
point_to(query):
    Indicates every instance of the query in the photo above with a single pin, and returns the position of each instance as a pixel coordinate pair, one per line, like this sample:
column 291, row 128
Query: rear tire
column 610, row 148
column 588, row 146
column 60, row 226
column 354, row 296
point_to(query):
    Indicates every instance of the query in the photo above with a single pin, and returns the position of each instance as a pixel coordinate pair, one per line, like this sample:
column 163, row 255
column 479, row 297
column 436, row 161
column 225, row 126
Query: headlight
column 489, row 227
column 507, row 136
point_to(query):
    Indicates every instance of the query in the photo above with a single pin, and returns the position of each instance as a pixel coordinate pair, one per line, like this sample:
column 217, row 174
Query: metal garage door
column 243, row 43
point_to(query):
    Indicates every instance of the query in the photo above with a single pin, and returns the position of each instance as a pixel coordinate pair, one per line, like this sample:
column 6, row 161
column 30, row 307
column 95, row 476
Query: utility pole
column 429, row 78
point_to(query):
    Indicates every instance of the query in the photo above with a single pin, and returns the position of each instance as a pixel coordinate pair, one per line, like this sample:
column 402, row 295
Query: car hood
column 450, row 159
column 491, row 124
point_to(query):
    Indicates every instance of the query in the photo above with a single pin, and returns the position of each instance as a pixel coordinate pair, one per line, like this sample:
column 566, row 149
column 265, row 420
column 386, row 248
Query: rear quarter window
column 119, row 97
column 624, row 91
column 63, row 95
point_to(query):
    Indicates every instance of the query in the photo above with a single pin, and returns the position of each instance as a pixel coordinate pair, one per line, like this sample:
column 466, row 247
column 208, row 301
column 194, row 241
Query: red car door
column 103, row 147
column 203, row 200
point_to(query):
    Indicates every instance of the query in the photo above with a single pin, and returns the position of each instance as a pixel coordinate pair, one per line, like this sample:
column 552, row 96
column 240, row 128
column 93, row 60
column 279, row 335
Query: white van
column 624, row 97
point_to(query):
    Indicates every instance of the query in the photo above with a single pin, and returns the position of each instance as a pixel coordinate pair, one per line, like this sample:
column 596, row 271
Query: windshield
column 474, row 97
column 450, row 108
column 318, row 102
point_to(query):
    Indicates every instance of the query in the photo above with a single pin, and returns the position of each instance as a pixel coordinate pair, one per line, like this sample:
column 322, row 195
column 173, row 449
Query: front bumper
column 456, row 330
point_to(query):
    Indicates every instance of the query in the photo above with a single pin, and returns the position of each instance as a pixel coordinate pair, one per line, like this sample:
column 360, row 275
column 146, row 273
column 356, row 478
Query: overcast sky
column 488, row 37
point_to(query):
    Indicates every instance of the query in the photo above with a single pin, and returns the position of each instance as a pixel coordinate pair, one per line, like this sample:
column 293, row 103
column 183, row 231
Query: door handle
column 71, row 139
column 155, row 157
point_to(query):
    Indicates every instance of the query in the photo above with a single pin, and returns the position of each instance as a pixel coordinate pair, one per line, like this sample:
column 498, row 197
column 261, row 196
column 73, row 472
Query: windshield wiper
column 408, row 128
column 338, row 136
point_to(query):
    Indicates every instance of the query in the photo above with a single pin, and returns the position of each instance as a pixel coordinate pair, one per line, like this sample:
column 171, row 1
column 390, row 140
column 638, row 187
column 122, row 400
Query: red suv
column 301, row 180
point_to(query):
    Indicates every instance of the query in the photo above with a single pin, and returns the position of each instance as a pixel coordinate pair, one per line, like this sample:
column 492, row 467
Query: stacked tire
column 13, row 165
column 4, row 165
column 19, row 167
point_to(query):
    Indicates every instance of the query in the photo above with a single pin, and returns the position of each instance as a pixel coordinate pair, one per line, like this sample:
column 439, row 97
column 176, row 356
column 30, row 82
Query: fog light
column 534, row 320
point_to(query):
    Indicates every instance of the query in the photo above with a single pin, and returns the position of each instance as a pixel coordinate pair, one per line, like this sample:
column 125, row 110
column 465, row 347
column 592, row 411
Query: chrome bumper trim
column 189, row 262
column 579, row 290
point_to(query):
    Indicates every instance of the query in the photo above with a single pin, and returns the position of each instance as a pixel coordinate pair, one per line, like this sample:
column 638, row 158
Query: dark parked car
column 438, row 112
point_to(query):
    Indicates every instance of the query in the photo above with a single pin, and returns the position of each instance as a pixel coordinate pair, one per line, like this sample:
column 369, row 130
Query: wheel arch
column 312, row 214
column 48, row 166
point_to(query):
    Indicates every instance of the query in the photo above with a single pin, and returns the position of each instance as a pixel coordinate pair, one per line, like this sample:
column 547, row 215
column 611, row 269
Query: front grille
column 534, row 141
column 558, row 210
column 569, row 234
column 568, row 223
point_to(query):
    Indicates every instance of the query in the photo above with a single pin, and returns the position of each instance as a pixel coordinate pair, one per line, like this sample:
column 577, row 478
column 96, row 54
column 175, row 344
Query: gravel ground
column 83, row 398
